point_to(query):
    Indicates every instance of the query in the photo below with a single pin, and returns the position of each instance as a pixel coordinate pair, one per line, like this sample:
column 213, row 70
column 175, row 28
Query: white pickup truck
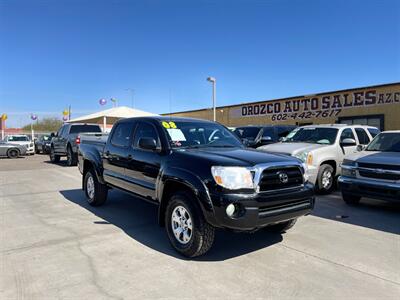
column 322, row 149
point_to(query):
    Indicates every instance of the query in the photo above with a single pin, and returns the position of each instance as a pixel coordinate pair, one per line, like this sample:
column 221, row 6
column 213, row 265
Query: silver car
column 322, row 149
column 11, row 150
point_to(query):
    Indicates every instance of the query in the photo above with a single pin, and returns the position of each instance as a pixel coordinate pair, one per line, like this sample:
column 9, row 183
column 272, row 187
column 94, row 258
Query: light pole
column 114, row 101
column 214, row 97
column 132, row 95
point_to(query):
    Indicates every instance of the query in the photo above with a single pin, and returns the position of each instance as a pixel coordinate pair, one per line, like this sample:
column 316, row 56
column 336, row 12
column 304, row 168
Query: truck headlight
column 233, row 178
column 305, row 157
column 349, row 168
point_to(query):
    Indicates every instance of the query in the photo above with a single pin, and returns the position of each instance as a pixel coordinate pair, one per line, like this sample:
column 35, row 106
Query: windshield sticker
column 176, row 135
column 169, row 125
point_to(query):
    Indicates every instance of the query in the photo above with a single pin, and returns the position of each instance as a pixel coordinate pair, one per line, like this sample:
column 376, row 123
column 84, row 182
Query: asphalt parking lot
column 55, row 246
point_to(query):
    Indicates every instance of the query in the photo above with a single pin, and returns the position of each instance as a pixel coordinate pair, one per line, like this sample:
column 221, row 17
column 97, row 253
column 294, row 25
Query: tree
column 45, row 125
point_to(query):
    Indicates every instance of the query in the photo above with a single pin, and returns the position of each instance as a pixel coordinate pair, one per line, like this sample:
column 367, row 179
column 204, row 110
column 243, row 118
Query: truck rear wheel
column 282, row 227
column 54, row 158
column 350, row 199
column 96, row 193
column 71, row 157
column 187, row 230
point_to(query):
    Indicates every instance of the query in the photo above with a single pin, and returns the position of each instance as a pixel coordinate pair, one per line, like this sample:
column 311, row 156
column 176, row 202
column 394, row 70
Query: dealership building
column 377, row 105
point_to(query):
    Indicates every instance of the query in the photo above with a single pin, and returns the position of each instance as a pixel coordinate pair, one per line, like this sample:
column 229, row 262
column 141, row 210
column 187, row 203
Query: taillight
column 78, row 140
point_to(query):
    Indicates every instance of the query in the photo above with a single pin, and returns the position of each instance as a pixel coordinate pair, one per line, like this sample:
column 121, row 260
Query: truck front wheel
column 71, row 157
column 187, row 230
column 96, row 192
column 54, row 158
column 325, row 179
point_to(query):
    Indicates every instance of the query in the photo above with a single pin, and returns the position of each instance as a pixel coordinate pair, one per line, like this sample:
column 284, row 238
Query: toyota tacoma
column 199, row 175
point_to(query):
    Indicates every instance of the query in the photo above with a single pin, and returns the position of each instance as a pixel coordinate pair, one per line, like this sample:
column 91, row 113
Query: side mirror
column 348, row 142
column 361, row 147
column 52, row 134
column 147, row 143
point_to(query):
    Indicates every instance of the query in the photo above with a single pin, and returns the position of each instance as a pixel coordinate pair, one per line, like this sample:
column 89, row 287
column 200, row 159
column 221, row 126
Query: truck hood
column 291, row 148
column 235, row 156
column 376, row 157
column 21, row 143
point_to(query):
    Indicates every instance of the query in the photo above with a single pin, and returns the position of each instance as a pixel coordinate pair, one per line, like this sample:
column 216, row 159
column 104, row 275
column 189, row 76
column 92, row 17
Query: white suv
column 23, row 140
column 322, row 149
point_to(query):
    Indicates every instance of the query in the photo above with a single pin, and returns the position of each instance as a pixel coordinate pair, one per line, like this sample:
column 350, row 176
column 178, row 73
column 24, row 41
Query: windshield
column 84, row 128
column 195, row 134
column 315, row 135
column 386, row 142
column 18, row 139
column 247, row 132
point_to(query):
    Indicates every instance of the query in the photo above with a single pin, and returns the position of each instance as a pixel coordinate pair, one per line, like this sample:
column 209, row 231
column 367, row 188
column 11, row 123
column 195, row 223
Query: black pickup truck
column 65, row 141
column 201, row 177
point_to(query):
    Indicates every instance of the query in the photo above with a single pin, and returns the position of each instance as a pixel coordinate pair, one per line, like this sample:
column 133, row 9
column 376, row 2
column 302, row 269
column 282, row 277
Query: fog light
column 230, row 210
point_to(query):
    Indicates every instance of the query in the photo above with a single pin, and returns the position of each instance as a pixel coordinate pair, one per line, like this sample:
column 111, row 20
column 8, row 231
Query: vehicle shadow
column 138, row 219
column 370, row 213
column 61, row 163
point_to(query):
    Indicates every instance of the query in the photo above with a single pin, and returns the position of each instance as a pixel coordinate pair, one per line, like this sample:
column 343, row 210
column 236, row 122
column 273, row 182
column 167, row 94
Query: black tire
column 54, row 158
column 72, row 159
column 37, row 151
column 351, row 199
column 100, row 191
column 323, row 187
column 13, row 153
column 202, row 233
column 282, row 227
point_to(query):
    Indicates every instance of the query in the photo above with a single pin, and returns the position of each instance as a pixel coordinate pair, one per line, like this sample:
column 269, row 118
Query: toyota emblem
column 283, row 177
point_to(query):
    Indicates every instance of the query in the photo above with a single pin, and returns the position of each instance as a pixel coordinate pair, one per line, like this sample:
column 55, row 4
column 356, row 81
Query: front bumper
column 364, row 187
column 261, row 209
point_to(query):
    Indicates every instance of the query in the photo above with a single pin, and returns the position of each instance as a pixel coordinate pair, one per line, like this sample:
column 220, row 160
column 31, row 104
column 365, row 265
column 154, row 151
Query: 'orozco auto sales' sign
column 321, row 106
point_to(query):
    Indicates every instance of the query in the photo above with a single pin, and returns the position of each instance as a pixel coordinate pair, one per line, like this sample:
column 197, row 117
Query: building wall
column 377, row 102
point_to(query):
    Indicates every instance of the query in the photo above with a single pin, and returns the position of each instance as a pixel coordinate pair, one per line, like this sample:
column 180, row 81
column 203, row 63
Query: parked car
column 199, row 175
column 23, row 140
column 374, row 172
column 65, row 141
column 256, row 136
column 322, row 149
column 11, row 150
column 42, row 144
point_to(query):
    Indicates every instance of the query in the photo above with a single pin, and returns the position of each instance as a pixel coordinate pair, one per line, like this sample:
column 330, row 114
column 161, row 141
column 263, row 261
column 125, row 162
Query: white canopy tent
column 110, row 116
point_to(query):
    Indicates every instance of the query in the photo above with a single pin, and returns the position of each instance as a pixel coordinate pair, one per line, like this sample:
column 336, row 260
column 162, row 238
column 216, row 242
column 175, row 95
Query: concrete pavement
column 55, row 246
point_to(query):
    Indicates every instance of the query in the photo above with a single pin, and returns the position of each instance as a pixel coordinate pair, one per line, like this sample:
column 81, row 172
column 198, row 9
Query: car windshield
column 196, row 134
column 84, row 128
column 247, row 132
column 314, row 135
column 18, row 139
column 385, row 142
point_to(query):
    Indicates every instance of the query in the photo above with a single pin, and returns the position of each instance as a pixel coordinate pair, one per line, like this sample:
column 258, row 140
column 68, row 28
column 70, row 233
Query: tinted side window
column 145, row 130
column 122, row 134
column 347, row 134
column 85, row 128
column 362, row 136
column 373, row 131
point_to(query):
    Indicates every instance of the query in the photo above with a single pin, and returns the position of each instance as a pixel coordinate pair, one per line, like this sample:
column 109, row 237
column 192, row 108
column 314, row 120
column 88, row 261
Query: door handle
column 129, row 157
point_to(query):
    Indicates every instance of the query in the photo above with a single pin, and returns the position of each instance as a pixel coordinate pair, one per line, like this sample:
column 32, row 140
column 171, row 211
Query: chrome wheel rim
column 90, row 187
column 181, row 224
column 327, row 179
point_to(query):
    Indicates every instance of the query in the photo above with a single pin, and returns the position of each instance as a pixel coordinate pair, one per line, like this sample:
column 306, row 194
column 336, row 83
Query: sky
column 56, row 53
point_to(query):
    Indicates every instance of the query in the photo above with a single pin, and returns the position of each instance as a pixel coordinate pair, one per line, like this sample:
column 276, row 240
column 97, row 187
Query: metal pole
column 104, row 123
column 69, row 113
column 214, row 99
